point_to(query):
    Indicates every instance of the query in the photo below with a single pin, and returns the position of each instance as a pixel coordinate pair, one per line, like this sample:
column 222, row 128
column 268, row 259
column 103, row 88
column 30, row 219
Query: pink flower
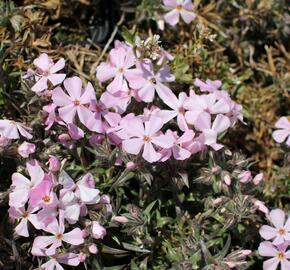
column 54, row 163
column 98, row 231
column 77, row 101
column 179, row 8
column 178, row 150
column 24, row 216
column 41, row 243
column 21, row 186
column 208, row 86
column 25, row 149
column 71, row 259
column 283, row 131
column 146, row 136
column 46, row 71
column 281, row 230
column 279, row 254
column 149, row 82
column 211, row 131
column 13, row 130
column 210, row 104
column 121, row 61
column 86, row 190
column 100, row 117
column 43, row 195
column 53, row 116
column 177, row 104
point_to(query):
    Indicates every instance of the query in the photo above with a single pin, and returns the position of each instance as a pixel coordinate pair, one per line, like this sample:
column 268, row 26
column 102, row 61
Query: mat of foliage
column 245, row 44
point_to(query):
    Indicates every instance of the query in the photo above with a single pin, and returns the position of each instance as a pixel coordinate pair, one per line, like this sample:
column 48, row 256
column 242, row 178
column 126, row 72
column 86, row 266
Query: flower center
column 98, row 109
column 46, row 199
column 281, row 255
column 121, row 70
column 181, row 110
column 152, row 80
column 281, row 231
column 147, row 138
column 77, row 102
column 59, row 236
column 25, row 214
column 179, row 7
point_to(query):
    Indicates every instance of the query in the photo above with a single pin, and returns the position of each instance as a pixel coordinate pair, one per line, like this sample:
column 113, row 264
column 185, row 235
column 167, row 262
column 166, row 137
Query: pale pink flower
column 178, row 150
column 119, row 66
column 25, row 149
column 46, row 71
column 210, row 104
column 283, row 131
column 208, row 86
column 24, row 216
column 53, row 116
column 71, row 259
column 211, row 131
column 42, row 195
column 177, row 104
column 48, row 244
column 12, row 130
column 281, row 230
column 100, row 117
column 98, row 231
column 183, row 8
column 146, row 136
column 22, row 186
column 77, row 101
column 279, row 254
column 149, row 81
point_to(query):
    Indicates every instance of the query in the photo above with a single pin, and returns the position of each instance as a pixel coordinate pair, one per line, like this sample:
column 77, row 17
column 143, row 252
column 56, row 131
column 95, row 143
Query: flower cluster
column 279, row 233
column 55, row 204
column 197, row 118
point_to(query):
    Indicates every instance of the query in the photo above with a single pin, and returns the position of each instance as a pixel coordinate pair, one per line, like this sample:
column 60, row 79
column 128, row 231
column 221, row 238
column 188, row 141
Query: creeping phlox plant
column 58, row 207
column 143, row 121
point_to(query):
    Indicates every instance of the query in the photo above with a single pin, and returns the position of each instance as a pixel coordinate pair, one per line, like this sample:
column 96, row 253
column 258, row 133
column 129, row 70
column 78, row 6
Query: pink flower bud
column 245, row 176
column 120, row 219
column 246, row 252
column 64, row 137
column 98, row 231
column 105, row 199
column 54, row 163
column 227, row 180
column 96, row 139
column 25, row 149
column 131, row 165
column 217, row 201
column 258, row 178
column 93, row 249
column 231, row 264
column 82, row 256
column 118, row 162
column 215, row 169
column 4, row 141
column 85, row 233
column 261, row 206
